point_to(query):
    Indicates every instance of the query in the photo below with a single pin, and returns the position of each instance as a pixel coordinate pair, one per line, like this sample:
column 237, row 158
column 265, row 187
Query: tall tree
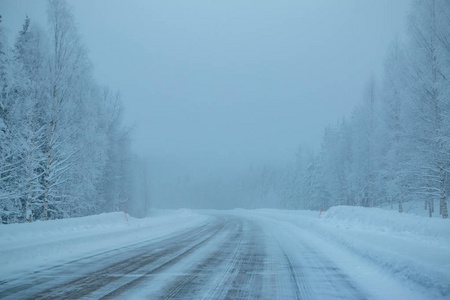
column 429, row 52
column 397, row 162
column 68, row 68
column 363, row 148
column 28, row 127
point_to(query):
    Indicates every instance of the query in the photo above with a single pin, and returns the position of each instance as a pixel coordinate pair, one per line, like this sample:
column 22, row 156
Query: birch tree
column 68, row 67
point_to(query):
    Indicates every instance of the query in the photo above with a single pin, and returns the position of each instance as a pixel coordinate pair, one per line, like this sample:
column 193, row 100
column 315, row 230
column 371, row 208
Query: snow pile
column 45, row 243
column 412, row 247
column 379, row 220
column 26, row 232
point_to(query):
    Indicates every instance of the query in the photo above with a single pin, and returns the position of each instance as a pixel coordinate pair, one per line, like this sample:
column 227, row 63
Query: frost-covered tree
column 67, row 67
column 363, row 148
column 394, row 128
column 27, row 123
column 293, row 183
column 6, row 166
column 429, row 54
column 396, row 146
column 315, row 194
column 63, row 148
column 113, row 185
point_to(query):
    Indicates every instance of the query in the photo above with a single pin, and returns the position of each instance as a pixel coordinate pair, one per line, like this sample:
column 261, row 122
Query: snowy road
column 228, row 258
column 234, row 255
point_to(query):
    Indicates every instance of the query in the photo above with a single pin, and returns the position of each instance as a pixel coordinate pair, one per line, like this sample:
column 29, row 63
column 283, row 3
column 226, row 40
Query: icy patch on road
column 25, row 247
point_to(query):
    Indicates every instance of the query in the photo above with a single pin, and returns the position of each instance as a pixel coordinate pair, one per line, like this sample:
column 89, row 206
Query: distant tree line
column 395, row 147
column 64, row 150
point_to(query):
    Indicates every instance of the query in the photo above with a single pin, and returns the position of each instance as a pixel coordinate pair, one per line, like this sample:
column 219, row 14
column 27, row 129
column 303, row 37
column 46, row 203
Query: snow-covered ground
column 347, row 252
column 414, row 207
column 25, row 247
column 385, row 251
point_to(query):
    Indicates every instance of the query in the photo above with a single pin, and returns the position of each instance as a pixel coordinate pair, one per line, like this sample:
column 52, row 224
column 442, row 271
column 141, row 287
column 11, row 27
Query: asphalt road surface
column 231, row 257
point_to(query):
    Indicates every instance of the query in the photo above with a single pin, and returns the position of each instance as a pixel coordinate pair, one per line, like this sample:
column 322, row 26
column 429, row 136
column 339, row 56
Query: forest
column 65, row 149
column 395, row 146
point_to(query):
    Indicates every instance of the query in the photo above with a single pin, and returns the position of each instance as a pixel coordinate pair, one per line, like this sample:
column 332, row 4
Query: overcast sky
column 230, row 82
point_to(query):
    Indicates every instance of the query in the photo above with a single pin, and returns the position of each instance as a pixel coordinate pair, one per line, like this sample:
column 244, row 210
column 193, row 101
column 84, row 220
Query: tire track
column 248, row 280
column 219, row 288
column 204, row 271
column 233, row 257
column 312, row 274
column 59, row 274
column 234, row 271
column 51, row 284
column 168, row 263
column 201, row 276
column 292, row 273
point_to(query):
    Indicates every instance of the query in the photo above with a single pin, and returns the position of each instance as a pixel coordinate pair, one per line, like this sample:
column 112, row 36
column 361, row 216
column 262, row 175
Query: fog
column 221, row 89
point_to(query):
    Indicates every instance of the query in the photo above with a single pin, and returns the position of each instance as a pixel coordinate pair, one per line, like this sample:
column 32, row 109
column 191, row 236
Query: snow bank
column 412, row 247
column 13, row 233
column 414, row 207
column 380, row 220
column 45, row 243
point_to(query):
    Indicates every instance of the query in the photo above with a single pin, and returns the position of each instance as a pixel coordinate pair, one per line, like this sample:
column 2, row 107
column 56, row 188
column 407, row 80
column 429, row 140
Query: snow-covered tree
column 394, row 129
column 63, row 147
column 429, row 54
column 27, row 118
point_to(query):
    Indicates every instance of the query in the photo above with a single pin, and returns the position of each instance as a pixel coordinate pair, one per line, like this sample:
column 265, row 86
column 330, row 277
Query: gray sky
column 230, row 82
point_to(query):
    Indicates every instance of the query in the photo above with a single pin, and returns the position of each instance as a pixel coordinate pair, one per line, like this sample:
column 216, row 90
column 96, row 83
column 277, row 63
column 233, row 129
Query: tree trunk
column 146, row 193
column 430, row 208
column 400, row 207
column 49, row 154
column 443, row 207
column 443, row 201
column 45, row 212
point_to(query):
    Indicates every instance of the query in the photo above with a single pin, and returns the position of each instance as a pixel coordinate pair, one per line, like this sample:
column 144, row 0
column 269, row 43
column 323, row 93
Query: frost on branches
column 62, row 141
column 396, row 145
